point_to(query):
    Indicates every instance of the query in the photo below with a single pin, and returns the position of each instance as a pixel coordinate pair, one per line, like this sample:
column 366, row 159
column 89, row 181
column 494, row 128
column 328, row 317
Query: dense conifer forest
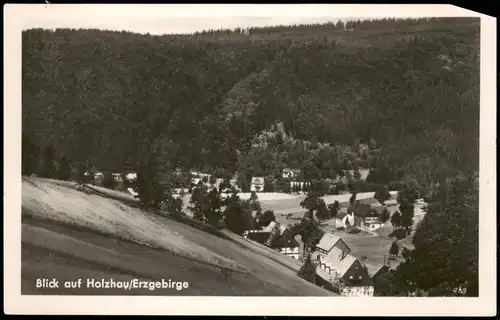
column 116, row 99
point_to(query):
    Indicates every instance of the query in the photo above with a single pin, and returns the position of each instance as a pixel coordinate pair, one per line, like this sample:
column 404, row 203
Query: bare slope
column 67, row 234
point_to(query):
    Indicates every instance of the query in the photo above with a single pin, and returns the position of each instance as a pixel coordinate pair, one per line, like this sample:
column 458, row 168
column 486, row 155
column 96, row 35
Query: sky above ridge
column 177, row 18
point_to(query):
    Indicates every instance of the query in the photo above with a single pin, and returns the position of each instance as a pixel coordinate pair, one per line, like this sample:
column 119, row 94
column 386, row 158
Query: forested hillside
column 115, row 99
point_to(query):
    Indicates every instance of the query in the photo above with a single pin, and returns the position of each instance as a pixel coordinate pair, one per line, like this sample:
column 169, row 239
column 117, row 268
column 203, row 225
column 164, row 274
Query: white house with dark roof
column 343, row 219
column 257, row 184
column 286, row 173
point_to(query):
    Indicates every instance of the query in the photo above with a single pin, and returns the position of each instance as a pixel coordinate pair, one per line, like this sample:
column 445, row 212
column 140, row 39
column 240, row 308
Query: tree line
column 185, row 101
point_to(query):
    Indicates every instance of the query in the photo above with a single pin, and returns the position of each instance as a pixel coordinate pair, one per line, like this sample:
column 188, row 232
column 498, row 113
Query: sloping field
column 67, row 233
column 45, row 200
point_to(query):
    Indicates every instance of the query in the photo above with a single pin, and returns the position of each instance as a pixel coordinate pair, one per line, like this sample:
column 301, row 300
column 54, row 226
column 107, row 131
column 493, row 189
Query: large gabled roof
column 328, row 241
column 339, row 261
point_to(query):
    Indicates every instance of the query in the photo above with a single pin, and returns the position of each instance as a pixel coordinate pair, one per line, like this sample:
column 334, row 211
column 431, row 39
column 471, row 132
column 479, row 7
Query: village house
column 118, row 179
column 286, row 173
column 197, row 177
column 131, row 176
column 326, row 244
column 257, row 184
column 292, row 174
column 343, row 219
column 382, row 280
column 98, row 178
column 365, row 215
column 340, row 268
column 284, row 244
column 287, row 245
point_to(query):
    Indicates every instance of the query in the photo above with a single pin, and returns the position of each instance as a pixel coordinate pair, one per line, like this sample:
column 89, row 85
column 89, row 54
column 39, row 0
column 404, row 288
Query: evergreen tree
column 49, row 168
column 352, row 199
column 407, row 213
column 212, row 208
column 322, row 212
column 444, row 261
column 382, row 194
column 243, row 183
column 396, row 219
column 64, row 170
column 285, row 187
column 384, row 216
column 266, row 218
column 308, row 270
column 238, row 218
column 312, row 202
column 268, row 185
column 197, row 202
column 309, row 232
column 108, row 180
column 394, row 250
column 334, row 209
column 151, row 191
column 273, row 236
column 29, row 157
column 213, row 180
column 357, row 175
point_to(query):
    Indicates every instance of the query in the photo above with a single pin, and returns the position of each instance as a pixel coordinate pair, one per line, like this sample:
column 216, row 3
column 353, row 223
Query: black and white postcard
column 249, row 159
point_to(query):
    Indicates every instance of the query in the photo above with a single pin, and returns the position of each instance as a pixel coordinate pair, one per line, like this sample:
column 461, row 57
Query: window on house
column 351, row 277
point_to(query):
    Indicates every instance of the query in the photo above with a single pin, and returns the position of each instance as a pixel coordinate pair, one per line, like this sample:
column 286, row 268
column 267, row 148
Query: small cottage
column 258, row 236
column 257, row 184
